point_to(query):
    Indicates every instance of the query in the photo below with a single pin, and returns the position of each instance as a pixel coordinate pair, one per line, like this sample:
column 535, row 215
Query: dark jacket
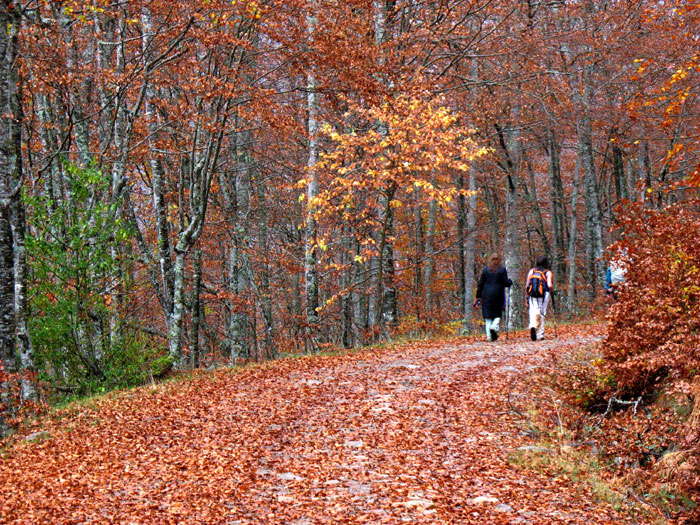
column 491, row 291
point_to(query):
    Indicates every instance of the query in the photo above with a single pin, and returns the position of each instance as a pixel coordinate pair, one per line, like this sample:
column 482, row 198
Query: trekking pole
column 507, row 312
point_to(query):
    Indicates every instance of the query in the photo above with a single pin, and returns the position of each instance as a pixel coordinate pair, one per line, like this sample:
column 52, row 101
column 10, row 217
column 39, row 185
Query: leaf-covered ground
column 420, row 433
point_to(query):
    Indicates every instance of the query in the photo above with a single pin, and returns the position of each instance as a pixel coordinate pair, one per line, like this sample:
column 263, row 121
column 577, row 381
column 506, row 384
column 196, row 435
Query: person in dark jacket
column 491, row 293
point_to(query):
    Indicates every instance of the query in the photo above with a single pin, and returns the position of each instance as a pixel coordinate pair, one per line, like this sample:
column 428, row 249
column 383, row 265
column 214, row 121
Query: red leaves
column 655, row 322
column 414, row 433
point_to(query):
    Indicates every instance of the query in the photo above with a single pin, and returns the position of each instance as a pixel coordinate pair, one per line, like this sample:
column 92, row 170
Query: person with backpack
column 615, row 275
column 539, row 289
column 490, row 295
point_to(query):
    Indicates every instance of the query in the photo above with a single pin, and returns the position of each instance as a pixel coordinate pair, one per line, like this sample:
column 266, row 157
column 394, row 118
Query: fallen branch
column 612, row 400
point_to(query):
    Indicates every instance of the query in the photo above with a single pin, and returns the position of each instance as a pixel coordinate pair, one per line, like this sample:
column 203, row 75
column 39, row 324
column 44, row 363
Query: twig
column 615, row 400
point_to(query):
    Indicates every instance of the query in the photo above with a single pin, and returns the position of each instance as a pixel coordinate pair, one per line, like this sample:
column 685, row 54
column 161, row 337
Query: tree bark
column 535, row 206
column 557, row 208
column 511, row 143
column 594, row 237
column 196, row 308
column 11, row 205
column 461, row 256
column 430, row 257
column 310, row 271
column 470, row 256
column 157, row 173
column 571, row 293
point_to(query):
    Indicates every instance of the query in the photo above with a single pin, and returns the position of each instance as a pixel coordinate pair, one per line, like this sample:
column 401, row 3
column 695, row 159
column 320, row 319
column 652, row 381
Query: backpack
column 617, row 275
column 537, row 284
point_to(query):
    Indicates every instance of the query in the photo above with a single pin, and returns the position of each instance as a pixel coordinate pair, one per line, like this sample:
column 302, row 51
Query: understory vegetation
column 626, row 412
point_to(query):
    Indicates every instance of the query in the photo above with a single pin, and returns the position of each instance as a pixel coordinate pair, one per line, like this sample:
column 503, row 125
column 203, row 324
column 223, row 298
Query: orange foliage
column 654, row 327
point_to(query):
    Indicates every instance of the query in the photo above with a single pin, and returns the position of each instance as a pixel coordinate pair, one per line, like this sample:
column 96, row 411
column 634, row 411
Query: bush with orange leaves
column 654, row 326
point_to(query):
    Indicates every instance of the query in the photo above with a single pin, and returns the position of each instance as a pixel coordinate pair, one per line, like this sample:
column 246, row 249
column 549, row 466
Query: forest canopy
column 188, row 182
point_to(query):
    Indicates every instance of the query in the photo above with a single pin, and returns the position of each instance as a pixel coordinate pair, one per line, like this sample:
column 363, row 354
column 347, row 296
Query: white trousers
column 491, row 324
column 537, row 308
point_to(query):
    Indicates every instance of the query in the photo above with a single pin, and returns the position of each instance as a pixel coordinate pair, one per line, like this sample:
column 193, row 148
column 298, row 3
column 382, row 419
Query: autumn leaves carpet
column 416, row 434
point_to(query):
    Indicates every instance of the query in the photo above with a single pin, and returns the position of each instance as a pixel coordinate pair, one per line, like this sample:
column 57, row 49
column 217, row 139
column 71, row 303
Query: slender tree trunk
column 236, row 192
column 8, row 360
column 264, row 290
column 11, row 205
column 80, row 97
column 644, row 174
column 571, row 294
column 7, row 292
column 535, row 206
column 24, row 342
column 157, row 175
column 310, row 272
column 594, row 237
column 461, row 253
column 175, row 331
column 430, row 257
column 359, row 299
column 390, row 307
column 345, row 284
column 621, row 190
column 512, row 146
column 387, row 298
column 470, row 256
column 557, row 209
column 196, row 308
column 419, row 252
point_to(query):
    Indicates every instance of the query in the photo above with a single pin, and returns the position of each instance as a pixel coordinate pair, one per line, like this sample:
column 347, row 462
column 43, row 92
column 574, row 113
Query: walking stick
column 507, row 310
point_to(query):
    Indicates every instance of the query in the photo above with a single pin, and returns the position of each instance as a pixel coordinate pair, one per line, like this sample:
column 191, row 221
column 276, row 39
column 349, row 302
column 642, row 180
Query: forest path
column 417, row 434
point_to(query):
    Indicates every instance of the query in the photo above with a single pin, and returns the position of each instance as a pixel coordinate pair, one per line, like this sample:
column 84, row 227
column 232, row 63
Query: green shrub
column 81, row 264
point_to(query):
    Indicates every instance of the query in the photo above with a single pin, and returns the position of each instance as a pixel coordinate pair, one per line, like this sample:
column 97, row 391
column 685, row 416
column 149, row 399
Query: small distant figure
column 614, row 277
column 539, row 288
column 490, row 295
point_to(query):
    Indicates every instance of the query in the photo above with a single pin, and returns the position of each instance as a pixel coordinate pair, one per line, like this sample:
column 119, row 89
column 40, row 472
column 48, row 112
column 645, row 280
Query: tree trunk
column 196, row 308
column 7, row 292
column 264, row 290
column 621, row 190
column 594, row 237
column 535, row 206
column 390, row 301
column 511, row 143
column 24, row 342
column 644, row 174
column 461, row 256
column 236, row 193
column 571, row 294
column 430, row 257
column 11, row 205
column 359, row 299
column 418, row 246
column 557, row 209
column 157, row 175
column 470, row 257
column 310, row 272
column 345, row 285
column 81, row 96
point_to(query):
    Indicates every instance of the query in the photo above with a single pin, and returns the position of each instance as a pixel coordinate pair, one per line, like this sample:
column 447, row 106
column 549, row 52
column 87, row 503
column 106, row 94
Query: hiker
column 539, row 289
column 490, row 295
column 614, row 277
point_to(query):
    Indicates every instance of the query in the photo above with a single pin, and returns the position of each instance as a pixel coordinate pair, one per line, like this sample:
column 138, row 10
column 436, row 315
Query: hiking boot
column 494, row 335
column 533, row 333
